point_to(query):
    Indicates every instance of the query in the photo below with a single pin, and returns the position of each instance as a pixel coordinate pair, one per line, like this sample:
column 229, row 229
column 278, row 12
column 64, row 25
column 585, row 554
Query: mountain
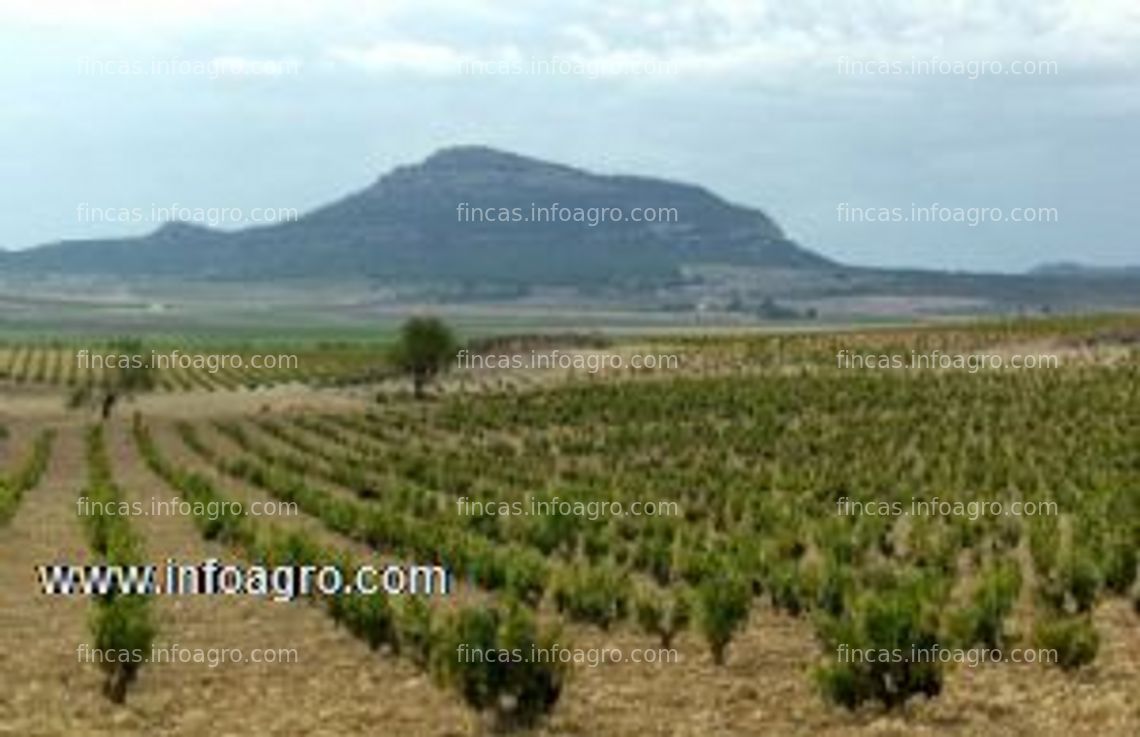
column 425, row 222
column 1073, row 268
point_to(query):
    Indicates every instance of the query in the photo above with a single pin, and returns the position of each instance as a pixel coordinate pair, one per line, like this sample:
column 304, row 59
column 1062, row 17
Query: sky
column 982, row 136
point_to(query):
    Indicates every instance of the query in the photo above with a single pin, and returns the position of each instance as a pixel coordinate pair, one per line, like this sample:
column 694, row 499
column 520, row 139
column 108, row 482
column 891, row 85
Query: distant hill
column 1072, row 268
column 409, row 226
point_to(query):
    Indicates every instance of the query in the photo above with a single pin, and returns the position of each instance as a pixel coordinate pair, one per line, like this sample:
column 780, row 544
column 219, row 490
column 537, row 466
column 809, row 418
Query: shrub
column 367, row 616
column 723, row 602
column 292, row 548
column 982, row 622
column 1044, row 532
column 1082, row 579
column 872, row 645
column 834, row 589
column 535, row 684
column 467, row 659
column 1074, row 639
column 594, row 594
column 785, row 586
column 526, row 575
column 416, row 628
column 547, row 532
column 496, row 661
column 655, row 555
column 663, row 614
column 123, row 635
column 693, row 563
column 1073, row 586
column 1120, row 561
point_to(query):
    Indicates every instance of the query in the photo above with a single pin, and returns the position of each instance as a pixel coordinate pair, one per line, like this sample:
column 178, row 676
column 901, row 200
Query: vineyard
column 778, row 533
column 200, row 364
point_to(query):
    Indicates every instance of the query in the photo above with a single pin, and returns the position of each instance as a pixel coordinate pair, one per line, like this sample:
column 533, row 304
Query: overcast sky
column 793, row 107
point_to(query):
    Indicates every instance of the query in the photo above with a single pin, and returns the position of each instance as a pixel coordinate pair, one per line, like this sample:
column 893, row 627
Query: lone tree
column 126, row 372
column 425, row 349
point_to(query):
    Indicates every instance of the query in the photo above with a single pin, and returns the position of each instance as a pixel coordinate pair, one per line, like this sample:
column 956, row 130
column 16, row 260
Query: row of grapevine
column 512, row 694
column 26, row 477
column 600, row 592
column 123, row 625
column 74, row 364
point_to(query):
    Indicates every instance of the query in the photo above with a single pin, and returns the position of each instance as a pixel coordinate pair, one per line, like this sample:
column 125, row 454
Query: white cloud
column 760, row 38
column 123, row 14
column 404, row 56
column 244, row 66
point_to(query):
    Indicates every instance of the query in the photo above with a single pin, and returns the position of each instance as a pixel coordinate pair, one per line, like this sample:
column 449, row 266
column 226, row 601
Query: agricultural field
column 726, row 545
column 187, row 363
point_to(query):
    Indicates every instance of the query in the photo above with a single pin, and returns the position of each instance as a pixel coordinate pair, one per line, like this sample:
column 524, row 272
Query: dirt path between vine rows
column 334, row 686
column 43, row 687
